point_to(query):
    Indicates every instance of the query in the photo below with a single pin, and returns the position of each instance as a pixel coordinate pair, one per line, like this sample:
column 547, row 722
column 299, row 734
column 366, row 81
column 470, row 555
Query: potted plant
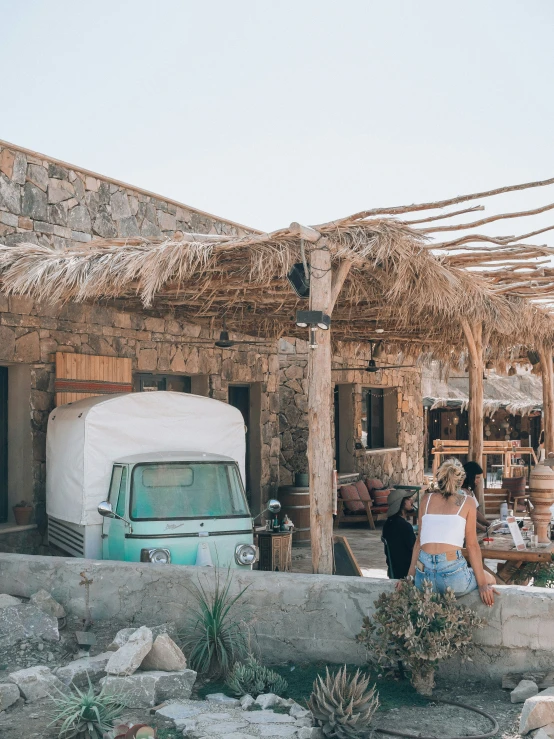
column 22, row 512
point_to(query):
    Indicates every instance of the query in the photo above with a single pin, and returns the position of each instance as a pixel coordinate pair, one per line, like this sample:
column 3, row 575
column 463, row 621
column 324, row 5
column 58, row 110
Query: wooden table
column 503, row 549
column 275, row 551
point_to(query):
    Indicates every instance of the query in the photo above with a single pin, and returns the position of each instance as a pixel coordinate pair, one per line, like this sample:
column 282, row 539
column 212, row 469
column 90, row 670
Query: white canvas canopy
column 85, row 438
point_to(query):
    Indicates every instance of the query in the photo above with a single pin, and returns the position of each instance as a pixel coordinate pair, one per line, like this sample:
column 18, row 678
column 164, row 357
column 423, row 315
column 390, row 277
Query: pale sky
column 265, row 112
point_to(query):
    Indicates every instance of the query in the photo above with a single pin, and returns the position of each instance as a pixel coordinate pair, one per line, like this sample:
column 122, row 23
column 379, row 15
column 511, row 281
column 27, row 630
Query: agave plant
column 343, row 705
column 252, row 678
column 214, row 638
column 84, row 714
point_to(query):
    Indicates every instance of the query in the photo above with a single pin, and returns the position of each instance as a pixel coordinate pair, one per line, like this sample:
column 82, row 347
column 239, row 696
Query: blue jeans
column 443, row 573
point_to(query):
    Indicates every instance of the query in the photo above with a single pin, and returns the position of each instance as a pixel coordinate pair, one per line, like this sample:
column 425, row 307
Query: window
column 120, row 510
column 146, row 383
column 170, row 490
column 373, row 418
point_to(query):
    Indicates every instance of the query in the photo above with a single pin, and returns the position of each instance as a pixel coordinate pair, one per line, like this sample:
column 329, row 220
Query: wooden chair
column 343, row 517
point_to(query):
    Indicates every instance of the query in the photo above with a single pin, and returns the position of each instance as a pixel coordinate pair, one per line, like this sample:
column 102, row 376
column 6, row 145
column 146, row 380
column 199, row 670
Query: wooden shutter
column 81, row 376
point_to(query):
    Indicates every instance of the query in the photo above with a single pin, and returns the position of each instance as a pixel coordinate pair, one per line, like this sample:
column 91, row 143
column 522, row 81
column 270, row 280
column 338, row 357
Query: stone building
column 50, row 203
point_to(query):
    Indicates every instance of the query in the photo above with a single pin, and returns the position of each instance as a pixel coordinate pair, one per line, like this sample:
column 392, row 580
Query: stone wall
column 301, row 618
column 32, row 334
column 44, row 201
column 402, row 465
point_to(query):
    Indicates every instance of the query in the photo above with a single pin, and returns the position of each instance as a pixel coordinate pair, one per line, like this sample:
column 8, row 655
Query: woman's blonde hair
column 450, row 477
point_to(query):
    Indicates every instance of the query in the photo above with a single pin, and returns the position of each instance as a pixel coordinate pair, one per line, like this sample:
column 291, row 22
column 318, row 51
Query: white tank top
column 443, row 528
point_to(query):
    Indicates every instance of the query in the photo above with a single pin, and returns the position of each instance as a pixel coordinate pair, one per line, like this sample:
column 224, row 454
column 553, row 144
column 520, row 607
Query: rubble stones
column 537, row 712
column 223, row 699
column 122, row 636
column 43, row 600
column 134, row 691
column 9, row 694
column 268, row 717
column 8, row 600
column 128, row 658
column 267, row 700
column 164, row 655
column 173, row 685
column 81, row 670
column 25, row 621
column 311, row 733
column 297, row 712
column 35, row 683
column 246, row 701
column 523, row 690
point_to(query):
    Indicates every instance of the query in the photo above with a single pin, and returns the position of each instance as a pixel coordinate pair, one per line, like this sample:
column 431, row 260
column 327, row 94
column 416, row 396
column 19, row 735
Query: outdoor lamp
column 315, row 318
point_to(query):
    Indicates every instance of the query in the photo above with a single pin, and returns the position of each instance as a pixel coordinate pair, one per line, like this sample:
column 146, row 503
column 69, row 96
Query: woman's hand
column 487, row 594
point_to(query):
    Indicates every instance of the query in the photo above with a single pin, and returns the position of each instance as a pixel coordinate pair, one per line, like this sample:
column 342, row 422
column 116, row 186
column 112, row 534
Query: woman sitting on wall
column 473, row 472
column 447, row 517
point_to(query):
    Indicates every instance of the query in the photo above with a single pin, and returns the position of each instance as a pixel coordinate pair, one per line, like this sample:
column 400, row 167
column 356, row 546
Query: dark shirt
column 401, row 538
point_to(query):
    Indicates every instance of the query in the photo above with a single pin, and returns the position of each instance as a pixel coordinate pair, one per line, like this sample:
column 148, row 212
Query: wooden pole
column 474, row 338
column 545, row 354
column 320, row 446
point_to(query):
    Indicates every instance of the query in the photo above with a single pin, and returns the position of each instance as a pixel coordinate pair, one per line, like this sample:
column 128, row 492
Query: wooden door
column 81, row 376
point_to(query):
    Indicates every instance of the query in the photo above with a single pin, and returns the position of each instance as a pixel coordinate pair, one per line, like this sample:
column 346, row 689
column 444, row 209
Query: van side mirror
column 105, row 509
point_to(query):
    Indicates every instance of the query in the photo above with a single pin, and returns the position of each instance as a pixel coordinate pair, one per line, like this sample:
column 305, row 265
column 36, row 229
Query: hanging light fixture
column 378, row 350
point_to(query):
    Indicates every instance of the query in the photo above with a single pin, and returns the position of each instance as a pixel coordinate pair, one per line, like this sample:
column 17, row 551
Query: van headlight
column 246, row 554
column 156, row 556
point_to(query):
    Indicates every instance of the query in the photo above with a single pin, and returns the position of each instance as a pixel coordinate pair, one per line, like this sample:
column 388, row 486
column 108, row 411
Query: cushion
column 363, row 492
column 381, row 497
column 351, row 497
column 372, row 483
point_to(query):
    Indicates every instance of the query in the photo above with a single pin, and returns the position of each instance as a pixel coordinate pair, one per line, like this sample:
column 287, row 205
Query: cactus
column 251, row 678
column 85, row 714
column 342, row 705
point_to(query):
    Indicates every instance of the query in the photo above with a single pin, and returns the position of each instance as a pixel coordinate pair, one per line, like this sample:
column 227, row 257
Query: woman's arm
column 486, row 591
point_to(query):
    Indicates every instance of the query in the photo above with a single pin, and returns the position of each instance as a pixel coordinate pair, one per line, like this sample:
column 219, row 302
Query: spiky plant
column 84, row 714
column 343, row 705
column 252, row 678
column 214, row 638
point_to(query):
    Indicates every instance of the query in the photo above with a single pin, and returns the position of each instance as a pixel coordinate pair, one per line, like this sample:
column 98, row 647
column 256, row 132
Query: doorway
column 3, row 444
column 344, row 428
column 239, row 398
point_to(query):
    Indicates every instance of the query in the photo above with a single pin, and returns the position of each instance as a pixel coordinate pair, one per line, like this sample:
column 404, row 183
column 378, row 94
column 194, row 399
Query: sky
column 266, row 112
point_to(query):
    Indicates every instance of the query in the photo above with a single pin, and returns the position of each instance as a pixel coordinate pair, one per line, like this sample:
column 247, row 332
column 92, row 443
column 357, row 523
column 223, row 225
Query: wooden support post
column 474, row 339
column 320, row 446
column 545, row 354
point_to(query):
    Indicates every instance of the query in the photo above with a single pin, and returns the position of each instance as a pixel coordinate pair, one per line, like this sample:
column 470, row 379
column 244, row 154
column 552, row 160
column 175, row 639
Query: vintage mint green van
column 179, row 508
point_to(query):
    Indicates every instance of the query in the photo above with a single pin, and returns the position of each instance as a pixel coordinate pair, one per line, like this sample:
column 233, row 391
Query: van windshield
column 169, row 490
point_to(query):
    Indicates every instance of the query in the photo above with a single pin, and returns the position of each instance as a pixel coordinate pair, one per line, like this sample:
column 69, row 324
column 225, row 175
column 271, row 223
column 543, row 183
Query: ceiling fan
column 224, row 342
column 372, row 365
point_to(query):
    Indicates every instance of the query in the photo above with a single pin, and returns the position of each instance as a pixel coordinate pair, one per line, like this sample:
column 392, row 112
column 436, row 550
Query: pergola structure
column 376, row 274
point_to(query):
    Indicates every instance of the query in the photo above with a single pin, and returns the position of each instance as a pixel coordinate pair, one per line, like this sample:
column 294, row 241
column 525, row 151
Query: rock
column 34, row 202
column 81, row 670
column 546, row 682
column 38, row 176
column 223, row 728
column 509, row 682
column 541, row 734
column 122, row 636
column 26, row 621
column 297, row 712
column 246, row 701
column 226, row 700
column 35, row 683
column 537, row 711
column 173, row 685
column 9, row 195
column 134, row 691
column 279, row 730
column 311, row 733
column 9, row 694
column 46, row 603
column 8, row 600
column 150, row 688
column 267, row 717
column 128, row 227
column 164, row 655
column 79, row 219
column 267, row 700
column 104, row 226
column 523, row 690
column 181, row 714
column 129, row 658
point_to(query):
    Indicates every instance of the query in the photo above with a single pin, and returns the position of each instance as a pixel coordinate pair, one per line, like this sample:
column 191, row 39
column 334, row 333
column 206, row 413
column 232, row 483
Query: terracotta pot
column 541, row 495
column 22, row 515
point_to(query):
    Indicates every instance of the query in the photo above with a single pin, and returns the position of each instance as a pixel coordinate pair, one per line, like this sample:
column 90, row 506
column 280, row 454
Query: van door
column 113, row 529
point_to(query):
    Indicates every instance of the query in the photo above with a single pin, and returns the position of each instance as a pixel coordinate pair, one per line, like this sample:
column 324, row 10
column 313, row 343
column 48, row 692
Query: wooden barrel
column 295, row 503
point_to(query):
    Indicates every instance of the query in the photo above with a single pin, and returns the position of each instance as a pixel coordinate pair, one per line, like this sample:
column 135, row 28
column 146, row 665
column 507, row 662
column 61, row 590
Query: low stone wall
column 295, row 617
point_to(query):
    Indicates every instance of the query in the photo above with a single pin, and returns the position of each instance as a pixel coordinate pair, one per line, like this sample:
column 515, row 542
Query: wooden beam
column 304, row 232
column 338, row 281
column 545, row 353
column 474, row 338
column 320, row 446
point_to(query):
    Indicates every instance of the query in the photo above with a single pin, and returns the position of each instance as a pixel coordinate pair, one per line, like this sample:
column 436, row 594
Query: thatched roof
column 401, row 282
column 519, row 394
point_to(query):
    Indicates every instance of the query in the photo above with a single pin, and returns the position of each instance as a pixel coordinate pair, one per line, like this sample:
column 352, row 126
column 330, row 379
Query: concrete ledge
column 295, row 617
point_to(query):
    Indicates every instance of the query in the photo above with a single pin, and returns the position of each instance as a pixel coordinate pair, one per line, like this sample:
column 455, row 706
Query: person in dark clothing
column 473, row 472
column 399, row 534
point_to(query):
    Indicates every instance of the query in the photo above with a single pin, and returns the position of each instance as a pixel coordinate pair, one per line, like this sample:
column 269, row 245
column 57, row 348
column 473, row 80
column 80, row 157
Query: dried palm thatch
column 401, row 281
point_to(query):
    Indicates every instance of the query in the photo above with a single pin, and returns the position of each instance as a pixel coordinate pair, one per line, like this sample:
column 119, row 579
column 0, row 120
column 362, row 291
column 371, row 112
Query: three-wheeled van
column 149, row 477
